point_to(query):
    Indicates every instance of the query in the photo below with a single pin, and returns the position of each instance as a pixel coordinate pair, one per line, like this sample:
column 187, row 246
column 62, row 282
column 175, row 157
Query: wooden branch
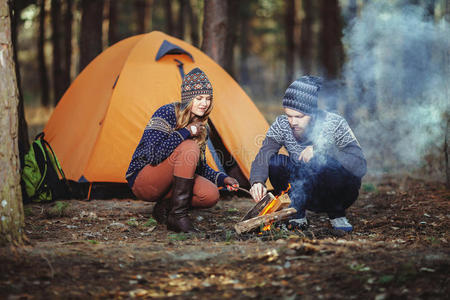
column 248, row 225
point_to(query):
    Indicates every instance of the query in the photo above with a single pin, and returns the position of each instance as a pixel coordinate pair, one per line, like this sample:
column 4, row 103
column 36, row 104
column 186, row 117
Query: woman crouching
column 169, row 164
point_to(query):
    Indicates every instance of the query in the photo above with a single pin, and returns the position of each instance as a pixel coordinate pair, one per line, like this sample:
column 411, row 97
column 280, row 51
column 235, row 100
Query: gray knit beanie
column 194, row 83
column 302, row 94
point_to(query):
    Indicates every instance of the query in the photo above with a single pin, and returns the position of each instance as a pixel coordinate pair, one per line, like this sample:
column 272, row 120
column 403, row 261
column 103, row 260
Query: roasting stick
column 239, row 188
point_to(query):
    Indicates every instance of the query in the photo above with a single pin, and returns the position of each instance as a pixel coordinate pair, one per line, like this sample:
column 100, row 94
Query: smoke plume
column 397, row 82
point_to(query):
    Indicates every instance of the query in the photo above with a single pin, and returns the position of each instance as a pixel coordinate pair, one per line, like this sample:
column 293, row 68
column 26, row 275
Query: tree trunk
column 67, row 61
column 349, row 102
column 24, row 144
column 91, row 31
column 58, row 88
column 446, row 118
column 142, row 8
column 447, row 151
column 215, row 30
column 168, row 15
column 244, row 43
column 179, row 33
column 290, row 45
column 45, row 96
column 233, row 7
column 11, row 211
column 331, row 52
column 193, row 21
column 306, row 37
column 112, row 28
column 447, row 10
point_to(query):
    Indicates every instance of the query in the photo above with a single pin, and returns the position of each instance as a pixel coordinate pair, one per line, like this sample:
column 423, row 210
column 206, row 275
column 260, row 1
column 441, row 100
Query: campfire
column 280, row 202
column 267, row 211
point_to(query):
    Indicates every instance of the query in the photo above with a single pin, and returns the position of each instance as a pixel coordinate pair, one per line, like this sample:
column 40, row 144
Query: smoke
column 397, row 82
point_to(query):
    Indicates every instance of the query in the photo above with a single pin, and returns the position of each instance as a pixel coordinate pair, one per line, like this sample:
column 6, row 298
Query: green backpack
column 42, row 174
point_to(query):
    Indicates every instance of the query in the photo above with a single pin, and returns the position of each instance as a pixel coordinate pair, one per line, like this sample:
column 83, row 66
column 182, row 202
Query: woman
column 169, row 164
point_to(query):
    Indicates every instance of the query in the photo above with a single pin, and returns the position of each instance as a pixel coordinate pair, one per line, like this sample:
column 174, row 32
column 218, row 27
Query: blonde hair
column 183, row 117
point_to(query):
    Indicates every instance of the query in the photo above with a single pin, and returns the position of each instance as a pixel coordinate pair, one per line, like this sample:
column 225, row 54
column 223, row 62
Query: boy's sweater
column 328, row 133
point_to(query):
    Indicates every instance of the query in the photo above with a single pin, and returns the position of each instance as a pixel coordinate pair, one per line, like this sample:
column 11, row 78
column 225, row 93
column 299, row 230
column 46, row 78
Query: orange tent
column 99, row 121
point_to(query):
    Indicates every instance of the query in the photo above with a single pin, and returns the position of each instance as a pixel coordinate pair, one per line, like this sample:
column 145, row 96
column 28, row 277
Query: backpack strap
column 60, row 187
column 41, row 162
column 58, row 167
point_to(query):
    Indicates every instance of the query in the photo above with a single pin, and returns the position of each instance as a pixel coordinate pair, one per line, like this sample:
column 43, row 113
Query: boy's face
column 297, row 120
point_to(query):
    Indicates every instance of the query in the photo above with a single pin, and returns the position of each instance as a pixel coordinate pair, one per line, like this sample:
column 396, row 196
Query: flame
column 270, row 205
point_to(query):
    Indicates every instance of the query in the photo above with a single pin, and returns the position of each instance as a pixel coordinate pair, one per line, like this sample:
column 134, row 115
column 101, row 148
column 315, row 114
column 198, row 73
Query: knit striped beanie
column 302, row 94
column 194, row 83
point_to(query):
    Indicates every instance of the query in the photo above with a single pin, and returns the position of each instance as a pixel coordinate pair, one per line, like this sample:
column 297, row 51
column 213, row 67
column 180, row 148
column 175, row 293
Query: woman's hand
column 195, row 128
column 306, row 154
column 231, row 183
column 258, row 191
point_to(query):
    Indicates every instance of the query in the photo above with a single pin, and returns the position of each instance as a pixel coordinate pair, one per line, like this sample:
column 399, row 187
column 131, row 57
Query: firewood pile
column 268, row 210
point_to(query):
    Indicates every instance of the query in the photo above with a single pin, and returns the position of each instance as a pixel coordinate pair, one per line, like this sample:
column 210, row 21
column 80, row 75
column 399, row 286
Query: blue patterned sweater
column 328, row 133
column 158, row 142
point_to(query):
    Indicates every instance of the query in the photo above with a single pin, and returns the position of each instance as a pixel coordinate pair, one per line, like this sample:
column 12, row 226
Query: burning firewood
column 278, row 203
column 253, row 223
column 268, row 210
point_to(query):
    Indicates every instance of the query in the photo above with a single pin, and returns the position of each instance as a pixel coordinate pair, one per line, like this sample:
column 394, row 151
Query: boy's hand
column 306, row 154
column 258, row 191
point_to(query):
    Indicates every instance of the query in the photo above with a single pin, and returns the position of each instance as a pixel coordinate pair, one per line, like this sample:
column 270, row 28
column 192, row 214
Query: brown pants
column 154, row 182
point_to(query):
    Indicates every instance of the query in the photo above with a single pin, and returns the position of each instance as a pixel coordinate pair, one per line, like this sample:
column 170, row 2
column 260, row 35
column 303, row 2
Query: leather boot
column 178, row 219
column 160, row 211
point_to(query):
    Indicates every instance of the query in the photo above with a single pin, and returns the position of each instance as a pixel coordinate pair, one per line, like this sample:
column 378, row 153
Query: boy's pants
column 321, row 185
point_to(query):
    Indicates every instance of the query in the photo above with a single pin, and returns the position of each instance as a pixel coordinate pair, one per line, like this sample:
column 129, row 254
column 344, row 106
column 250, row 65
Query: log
column 250, row 224
column 276, row 204
column 258, row 207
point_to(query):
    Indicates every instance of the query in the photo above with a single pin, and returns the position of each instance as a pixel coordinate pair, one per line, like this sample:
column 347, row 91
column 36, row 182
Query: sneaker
column 300, row 224
column 341, row 224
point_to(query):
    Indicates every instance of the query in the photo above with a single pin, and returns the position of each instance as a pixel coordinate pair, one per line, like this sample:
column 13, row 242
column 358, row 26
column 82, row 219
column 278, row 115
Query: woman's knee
column 188, row 151
column 147, row 193
column 206, row 197
column 189, row 146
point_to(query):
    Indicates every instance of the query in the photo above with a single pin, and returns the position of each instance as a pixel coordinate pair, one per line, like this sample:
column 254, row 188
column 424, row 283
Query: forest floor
column 112, row 249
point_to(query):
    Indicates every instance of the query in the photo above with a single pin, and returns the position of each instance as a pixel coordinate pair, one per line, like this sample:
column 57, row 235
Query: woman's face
column 200, row 104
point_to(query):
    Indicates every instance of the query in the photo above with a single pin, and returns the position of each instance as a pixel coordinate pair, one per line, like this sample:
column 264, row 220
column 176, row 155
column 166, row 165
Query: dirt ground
column 399, row 249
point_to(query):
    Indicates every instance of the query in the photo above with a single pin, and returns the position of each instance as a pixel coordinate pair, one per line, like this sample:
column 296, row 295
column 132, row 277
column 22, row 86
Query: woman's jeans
column 321, row 185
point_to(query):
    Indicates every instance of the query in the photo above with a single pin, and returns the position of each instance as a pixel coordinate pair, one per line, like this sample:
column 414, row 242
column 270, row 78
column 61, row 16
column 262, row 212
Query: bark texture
column 290, row 44
column 113, row 18
column 193, row 21
column 215, row 30
column 67, row 61
column 24, row 145
column 232, row 28
column 143, row 16
column 306, row 37
column 332, row 52
column 169, row 18
column 58, row 84
column 43, row 74
column 91, row 31
column 11, row 211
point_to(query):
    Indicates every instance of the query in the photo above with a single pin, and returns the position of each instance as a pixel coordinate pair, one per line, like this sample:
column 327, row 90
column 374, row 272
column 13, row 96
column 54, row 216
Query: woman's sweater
column 158, row 142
